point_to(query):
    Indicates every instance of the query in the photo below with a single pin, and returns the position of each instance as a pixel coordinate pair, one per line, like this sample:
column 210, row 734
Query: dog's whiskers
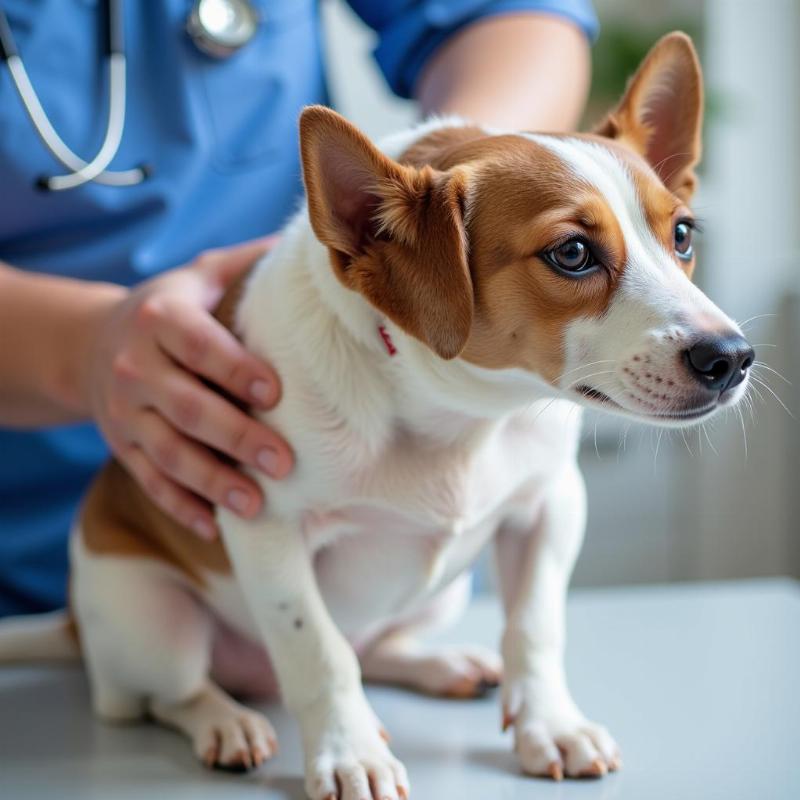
column 708, row 439
column 744, row 430
column 689, row 449
column 766, row 386
column 762, row 365
column 583, row 366
column 658, row 445
column 754, row 318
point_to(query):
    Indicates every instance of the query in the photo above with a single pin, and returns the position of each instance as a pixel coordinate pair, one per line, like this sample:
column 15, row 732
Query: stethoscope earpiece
column 217, row 27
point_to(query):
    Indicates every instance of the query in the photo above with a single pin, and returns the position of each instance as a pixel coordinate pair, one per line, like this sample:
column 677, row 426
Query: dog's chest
column 408, row 524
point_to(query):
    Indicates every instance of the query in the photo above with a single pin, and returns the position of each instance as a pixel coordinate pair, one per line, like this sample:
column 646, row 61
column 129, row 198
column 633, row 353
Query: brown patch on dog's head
column 444, row 148
column 398, row 233
column 524, row 200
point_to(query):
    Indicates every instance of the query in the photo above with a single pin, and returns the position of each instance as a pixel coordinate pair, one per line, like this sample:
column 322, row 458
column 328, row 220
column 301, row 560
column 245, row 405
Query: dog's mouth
column 603, row 400
column 596, row 395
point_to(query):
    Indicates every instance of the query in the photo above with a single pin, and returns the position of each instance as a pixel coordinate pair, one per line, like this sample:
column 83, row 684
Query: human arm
column 133, row 361
column 518, row 64
column 525, row 71
column 45, row 332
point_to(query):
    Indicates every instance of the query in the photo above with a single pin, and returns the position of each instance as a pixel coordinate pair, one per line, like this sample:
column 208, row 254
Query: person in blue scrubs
column 107, row 343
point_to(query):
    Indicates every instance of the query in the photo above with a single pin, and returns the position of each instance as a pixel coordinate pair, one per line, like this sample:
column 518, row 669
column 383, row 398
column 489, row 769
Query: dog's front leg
column 346, row 756
column 552, row 736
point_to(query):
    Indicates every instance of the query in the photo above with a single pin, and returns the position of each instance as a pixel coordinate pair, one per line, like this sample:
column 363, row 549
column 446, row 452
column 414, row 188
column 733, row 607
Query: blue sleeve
column 409, row 31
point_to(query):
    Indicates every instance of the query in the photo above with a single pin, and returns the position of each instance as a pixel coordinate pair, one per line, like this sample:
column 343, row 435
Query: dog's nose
column 721, row 362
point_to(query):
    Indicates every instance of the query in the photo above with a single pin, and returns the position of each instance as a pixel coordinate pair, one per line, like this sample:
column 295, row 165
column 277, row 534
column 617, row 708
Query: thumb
column 225, row 265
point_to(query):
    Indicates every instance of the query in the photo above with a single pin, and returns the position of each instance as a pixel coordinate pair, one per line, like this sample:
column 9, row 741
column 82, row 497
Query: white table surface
column 700, row 684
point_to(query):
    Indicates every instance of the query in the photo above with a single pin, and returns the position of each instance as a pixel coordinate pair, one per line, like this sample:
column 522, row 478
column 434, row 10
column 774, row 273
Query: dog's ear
column 395, row 233
column 661, row 113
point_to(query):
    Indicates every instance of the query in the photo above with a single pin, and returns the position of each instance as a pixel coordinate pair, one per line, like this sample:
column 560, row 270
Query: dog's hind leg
column 401, row 657
column 147, row 642
column 224, row 733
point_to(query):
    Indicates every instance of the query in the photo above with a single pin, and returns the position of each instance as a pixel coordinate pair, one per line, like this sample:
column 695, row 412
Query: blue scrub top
column 221, row 138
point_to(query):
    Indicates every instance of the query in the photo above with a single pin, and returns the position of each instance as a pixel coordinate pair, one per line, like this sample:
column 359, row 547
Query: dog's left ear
column 661, row 114
column 395, row 233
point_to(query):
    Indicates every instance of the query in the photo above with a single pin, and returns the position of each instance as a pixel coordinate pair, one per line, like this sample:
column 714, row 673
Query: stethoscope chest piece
column 221, row 27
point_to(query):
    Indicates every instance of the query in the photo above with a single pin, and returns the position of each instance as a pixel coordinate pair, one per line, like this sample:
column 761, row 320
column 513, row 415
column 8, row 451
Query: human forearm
column 46, row 325
column 520, row 71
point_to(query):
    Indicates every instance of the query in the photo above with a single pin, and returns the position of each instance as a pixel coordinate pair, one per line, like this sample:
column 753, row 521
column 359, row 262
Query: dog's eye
column 683, row 240
column 573, row 256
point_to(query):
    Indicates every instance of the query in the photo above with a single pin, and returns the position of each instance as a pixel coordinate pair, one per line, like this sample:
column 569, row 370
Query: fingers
column 172, row 499
column 193, row 467
column 192, row 337
column 204, row 415
column 226, row 264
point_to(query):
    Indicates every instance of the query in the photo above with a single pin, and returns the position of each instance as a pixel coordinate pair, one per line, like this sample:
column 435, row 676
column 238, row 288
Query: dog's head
column 566, row 256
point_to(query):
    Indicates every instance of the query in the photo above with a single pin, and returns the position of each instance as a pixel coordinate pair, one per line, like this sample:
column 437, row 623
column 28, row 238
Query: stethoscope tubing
column 81, row 171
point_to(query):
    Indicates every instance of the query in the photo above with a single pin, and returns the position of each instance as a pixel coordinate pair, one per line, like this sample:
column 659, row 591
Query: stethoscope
column 217, row 27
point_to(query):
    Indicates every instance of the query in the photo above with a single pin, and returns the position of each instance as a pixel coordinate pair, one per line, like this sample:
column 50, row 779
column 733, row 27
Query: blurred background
column 724, row 501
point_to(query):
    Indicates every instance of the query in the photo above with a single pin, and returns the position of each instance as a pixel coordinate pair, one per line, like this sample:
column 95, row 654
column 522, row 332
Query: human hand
column 149, row 358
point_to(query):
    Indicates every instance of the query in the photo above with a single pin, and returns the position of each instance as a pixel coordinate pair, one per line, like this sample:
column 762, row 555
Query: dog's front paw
column 347, row 757
column 551, row 736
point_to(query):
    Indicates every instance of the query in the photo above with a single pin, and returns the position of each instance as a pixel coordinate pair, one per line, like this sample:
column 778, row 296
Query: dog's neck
column 330, row 324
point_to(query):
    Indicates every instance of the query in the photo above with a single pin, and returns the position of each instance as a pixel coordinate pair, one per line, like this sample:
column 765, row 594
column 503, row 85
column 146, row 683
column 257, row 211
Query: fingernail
column 267, row 459
column 204, row 529
column 238, row 500
column 261, row 391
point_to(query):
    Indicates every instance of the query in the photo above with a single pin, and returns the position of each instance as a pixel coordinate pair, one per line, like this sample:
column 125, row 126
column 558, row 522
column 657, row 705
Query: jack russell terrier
column 438, row 312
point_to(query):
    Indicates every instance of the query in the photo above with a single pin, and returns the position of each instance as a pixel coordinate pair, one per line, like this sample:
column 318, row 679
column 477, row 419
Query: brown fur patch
column 225, row 311
column 523, row 305
column 119, row 519
column 440, row 148
column 521, row 199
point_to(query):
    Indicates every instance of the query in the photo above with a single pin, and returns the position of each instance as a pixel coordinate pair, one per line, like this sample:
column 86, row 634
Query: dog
column 439, row 311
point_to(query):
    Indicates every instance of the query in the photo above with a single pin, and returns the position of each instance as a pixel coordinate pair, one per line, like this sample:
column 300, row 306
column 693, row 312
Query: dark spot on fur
column 298, row 623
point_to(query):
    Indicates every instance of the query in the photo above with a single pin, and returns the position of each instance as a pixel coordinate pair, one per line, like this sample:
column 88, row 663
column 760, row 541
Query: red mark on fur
column 387, row 340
